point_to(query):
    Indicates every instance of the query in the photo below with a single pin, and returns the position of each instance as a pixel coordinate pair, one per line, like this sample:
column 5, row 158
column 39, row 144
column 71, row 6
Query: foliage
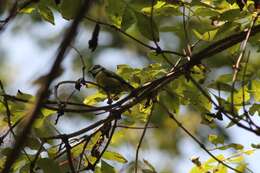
column 184, row 89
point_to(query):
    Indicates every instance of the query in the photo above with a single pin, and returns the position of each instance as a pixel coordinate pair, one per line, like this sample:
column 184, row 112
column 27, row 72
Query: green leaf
column 106, row 168
column 215, row 139
column 151, row 168
column 233, row 145
column 115, row 10
column 257, row 146
column 240, row 97
column 47, row 112
column 28, row 10
column 192, row 95
column 226, row 28
column 46, row 14
column 221, row 86
column 110, row 155
column 160, row 58
column 24, row 96
column 212, row 160
column 241, row 167
column 69, row 8
column 225, row 78
column 97, row 169
column 95, row 98
column 255, row 108
column 144, row 24
column 48, row 165
column 171, row 100
column 237, row 159
column 207, row 36
column 163, row 9
column 20, row 163
column 202, row 11
column 255, row 90
column 249, row 152
column 25, row 168
column 33, row 143
column 232, row 14
column 128, row 19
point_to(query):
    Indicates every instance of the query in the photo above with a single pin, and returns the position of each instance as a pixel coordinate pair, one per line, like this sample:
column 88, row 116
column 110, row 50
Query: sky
column 27, row 61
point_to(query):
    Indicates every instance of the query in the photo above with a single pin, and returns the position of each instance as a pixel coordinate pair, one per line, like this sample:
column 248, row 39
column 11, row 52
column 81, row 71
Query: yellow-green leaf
column 110, row 155
column 46, row 14
column 95, row 98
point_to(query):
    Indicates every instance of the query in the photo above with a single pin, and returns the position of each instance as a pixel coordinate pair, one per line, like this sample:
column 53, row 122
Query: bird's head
column 95, row 70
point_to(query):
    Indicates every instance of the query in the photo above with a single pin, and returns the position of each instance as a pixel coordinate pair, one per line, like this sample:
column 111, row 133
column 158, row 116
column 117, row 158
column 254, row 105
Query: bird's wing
column 117, row 77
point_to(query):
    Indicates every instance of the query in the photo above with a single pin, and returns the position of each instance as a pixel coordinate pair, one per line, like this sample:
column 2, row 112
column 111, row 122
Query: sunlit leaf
column 256, row 90
column 214, row 139
column 110, row 155
column 95, row 98
column 115, row 11
column 207, row 36
column 107, row 168
column 46, row 14
column 232, row 145
column 237, row 159
column 249, row 152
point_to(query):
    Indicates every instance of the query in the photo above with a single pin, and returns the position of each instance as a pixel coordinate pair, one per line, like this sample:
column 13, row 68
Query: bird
column 109, row 81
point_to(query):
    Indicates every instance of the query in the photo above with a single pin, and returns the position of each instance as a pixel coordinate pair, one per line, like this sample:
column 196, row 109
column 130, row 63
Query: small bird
column 110, row 81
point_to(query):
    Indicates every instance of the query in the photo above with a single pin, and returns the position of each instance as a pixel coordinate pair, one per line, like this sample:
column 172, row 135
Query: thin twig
column 82, row 61
column 239, row 59
column 142, row 137
column 171, row 115
column 33, row 162
column 136, row 128
column 131, row 37
column 158, row 48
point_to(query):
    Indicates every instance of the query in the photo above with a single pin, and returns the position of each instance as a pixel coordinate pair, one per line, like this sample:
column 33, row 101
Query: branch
column 43, row 91
column 68, row 149
column 13, row 12
column 142, row 137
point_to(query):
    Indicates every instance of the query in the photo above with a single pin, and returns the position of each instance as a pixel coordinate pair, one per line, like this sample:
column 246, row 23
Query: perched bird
column 110, row 81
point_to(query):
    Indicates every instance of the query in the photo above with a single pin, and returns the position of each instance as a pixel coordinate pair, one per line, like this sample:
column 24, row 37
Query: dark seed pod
column 93, row 42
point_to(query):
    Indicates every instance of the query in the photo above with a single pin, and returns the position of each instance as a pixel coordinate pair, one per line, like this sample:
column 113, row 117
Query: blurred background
column 28, row 47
